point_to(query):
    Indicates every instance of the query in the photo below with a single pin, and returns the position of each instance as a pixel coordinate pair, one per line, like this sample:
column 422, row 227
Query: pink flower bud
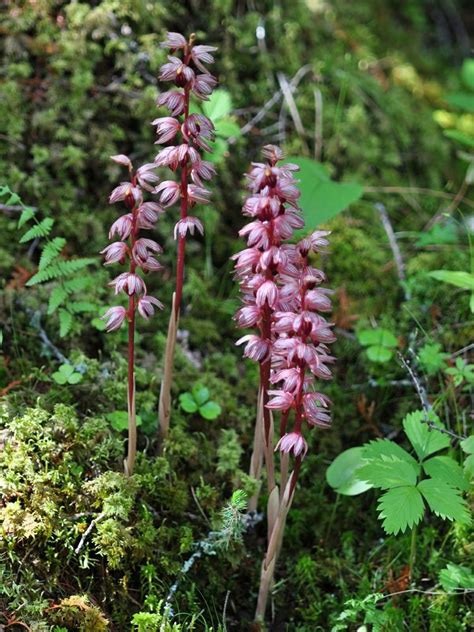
column 292, row 442
column 114, row 317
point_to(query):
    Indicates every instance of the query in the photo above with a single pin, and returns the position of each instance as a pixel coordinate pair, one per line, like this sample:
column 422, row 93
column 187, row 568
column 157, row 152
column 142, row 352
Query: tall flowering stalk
column 140, row 254
column 191, row 134
column 282, row 298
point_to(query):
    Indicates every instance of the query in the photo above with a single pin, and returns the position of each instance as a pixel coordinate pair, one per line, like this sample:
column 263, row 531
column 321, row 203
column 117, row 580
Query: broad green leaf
column 439, row 234
column 187, row 403
column 75, row 378
column 379, row 354
column 342, row 474
column 464, row 280
column 446, row 469
column 444, row 500
column 467, row 73
column 400, row 508
column 210, row 410
column 424, row 440
column 218, row 106
column 219, row 149
column 227, row 128
column 468, row 445
column 455, row 577
column 59, row 377
column 388, row 472
column 380, row 337
column 462, row 100
column 385, row 448
column 200, row 394
column 460, row 137
column 322, row 198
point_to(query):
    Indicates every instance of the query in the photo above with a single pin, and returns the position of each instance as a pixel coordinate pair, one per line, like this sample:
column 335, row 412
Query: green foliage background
column 78, row 83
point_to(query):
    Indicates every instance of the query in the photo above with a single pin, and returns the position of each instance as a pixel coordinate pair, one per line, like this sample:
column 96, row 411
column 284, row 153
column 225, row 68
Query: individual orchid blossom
column 190, row 135
column 282, row 300
column 140, row 253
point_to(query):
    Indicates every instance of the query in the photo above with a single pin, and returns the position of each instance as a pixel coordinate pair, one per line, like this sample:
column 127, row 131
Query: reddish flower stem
column 132, row 422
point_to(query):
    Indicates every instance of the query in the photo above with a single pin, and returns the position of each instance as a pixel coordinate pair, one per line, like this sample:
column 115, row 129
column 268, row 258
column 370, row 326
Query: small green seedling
column 461, row 372
column 432, row 359
column 409, row 482
column 66, row 374
column 119, row 420
column 380, row 343
column 198, row 401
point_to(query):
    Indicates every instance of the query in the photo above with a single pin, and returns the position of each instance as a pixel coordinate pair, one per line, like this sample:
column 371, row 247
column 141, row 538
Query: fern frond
column 78, row 307
column 60, row 269
column 76, row 284
column 42, row 229
column 26, row 214
column 51, row 251
column 65, row 322
column 57, row 298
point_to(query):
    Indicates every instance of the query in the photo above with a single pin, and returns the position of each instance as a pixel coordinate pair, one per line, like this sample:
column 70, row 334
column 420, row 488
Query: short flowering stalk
column 282, row 297
column 141, row 255
column 191, row 134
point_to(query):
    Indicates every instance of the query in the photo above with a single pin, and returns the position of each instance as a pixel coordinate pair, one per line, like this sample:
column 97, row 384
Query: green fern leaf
column 79, row 307
column 57, row 298
column 65, row 322
column 51, row 251
column 60, row 269
column 26, row 214
column 76, row 284
column 42, row 229
column 401, row 508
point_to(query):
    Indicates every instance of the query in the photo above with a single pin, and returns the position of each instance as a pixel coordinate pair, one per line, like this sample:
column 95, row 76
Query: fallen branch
column 87, row 532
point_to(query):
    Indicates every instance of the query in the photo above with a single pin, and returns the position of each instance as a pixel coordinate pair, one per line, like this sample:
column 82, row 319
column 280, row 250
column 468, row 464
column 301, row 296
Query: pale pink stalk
column 190, row 134
column 140, row 253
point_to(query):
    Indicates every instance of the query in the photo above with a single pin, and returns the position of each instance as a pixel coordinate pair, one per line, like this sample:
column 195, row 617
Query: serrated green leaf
column 469, row 467
column 187, row 403
column 446, row 469
column 227, row 128
column 200, row 394
column 445, row 501
column 65, row 322
column 42, row 229
column 210, row 410
column 322, row 198
column 424, row 440
column 218, row 105
column 455, row 577
column 400, row 508
column 342, row 474
column 387, row 472
column 379, row 448
column 432, row 359
column 56, row 298
column 467, row 445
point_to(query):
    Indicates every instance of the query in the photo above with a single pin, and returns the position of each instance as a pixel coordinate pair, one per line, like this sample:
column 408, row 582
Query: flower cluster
column 282, row 299
column 139, row 251
column 190, row 133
